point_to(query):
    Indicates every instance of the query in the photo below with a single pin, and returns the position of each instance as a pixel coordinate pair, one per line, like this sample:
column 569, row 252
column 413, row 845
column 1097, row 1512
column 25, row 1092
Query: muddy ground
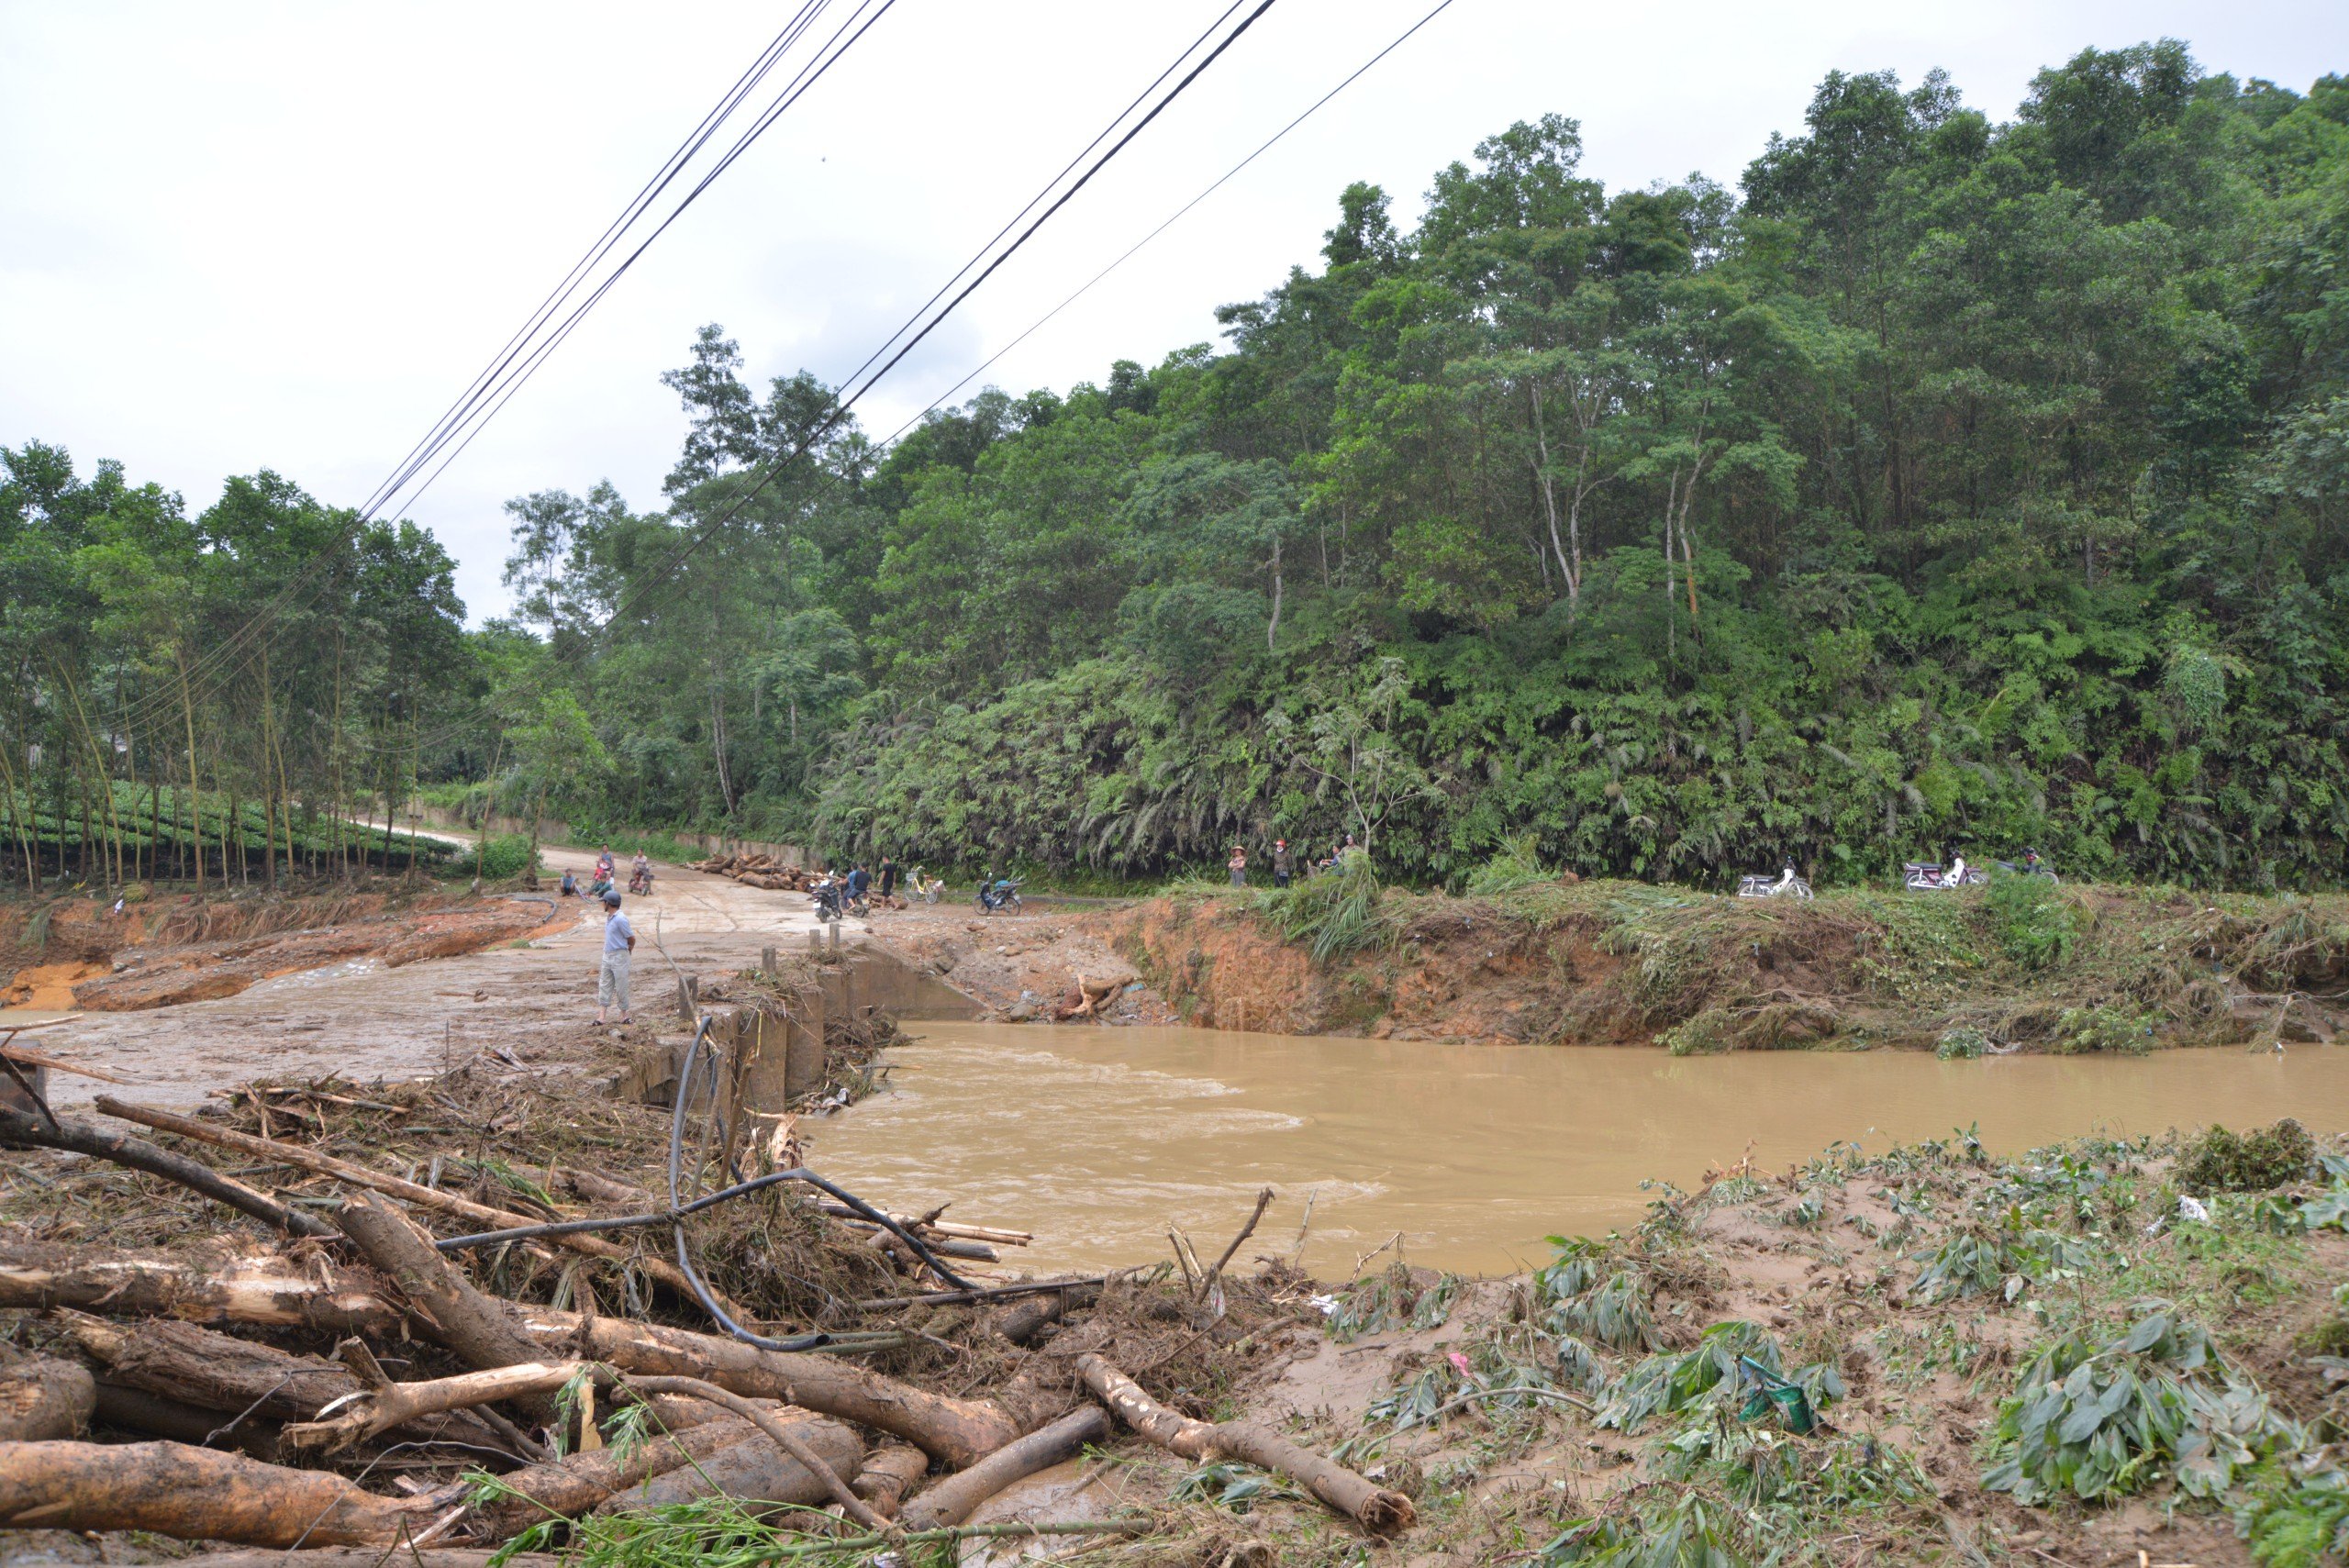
column 365, row 1016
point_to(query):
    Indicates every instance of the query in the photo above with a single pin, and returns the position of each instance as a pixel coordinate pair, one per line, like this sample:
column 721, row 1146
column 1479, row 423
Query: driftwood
column 454, row 1313
column 1023, row 1320
column 959, row 1433
column 952, row 1500
column 1376, row 1509
column 201, row 1372
column 368, row 1412
column 194, row 1493
column 25, row 1129
column 887, row 1474
column 42, row 1399
column 263, row 1289
column 409, row 1192
column 577, row 1483
column 778, row 1433
column 754, row 1469
column 136, row 1410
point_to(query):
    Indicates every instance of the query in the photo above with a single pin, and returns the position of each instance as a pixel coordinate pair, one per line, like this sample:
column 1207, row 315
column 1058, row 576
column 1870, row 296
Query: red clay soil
column 1454, row 977
column 182, row 948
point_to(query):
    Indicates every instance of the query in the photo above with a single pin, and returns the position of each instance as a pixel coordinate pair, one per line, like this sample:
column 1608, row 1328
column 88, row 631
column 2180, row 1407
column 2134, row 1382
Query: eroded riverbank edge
column 2035, row 967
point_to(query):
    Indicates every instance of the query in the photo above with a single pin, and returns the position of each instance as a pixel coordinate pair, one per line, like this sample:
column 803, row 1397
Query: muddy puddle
column 1099, row 1139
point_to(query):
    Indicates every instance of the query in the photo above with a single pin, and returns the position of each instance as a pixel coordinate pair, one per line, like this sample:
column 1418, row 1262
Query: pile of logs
column 252, row 1436
column 759, row 871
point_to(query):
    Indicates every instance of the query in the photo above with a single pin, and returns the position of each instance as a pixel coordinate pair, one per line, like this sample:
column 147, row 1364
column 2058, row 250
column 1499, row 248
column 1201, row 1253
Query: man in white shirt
column 619, row 946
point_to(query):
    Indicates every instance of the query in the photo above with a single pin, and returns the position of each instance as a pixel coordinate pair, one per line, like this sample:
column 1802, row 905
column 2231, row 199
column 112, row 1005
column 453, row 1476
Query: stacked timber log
column 758, row 871
column 320, row 1353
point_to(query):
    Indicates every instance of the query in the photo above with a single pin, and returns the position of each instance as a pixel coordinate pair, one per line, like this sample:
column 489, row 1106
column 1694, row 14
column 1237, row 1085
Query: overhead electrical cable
column 1177, row 216
column 500, row 380
column 923, row 322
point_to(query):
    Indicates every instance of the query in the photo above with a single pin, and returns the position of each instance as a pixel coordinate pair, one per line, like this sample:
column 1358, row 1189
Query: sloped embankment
column 1612, row 963
column 80, row 954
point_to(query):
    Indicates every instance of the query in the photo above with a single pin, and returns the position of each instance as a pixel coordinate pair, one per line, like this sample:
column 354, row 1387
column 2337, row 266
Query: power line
column 635, row 602
column 500, row 378
column 1179, row 213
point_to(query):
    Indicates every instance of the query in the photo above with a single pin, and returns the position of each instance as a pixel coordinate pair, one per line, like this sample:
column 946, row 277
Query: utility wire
column 499, row 378
column 633, row 602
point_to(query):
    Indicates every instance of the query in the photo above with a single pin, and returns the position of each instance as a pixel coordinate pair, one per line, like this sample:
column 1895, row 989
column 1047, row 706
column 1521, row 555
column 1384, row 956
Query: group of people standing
column 1287, row 861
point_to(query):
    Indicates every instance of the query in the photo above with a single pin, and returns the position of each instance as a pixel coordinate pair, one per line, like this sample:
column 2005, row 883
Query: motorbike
column 640, row 880
column 925, row 888
column 1001, row 893
column 832, row 902
column 2030, row 868
column 1766, row 886
column 1928, row 876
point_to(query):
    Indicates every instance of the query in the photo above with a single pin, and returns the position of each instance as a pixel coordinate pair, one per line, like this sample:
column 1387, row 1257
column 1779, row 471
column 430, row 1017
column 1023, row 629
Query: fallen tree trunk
column 27, row 1130
column 959, row 1433
column 262, row 1289
column 755, row 1469
column 952, row 1500
column 194, row 1493
column 778, row 1433
column 136, row 1410
column 217, row 1372
column 199, row 1370
column 360, row 1175
column 1023, row 1320
column 42, row 1399
column 887, row 1474
column 368, row 1412
column 1376, row 1509
column 454, row 1313
column 574, row 1484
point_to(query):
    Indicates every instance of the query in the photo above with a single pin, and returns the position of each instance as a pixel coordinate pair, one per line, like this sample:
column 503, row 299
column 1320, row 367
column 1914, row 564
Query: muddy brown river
column 1099, row 1139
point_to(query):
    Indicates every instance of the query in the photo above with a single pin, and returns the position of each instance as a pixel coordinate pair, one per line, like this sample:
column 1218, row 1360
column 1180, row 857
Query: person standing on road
column 1238, row 866
column 619, row 946
column 1283, row 864
column 888, row 879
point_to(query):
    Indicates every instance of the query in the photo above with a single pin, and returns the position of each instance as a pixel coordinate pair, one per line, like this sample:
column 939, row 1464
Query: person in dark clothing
column 858, row 880
column 1283, row 864
column 888, row 877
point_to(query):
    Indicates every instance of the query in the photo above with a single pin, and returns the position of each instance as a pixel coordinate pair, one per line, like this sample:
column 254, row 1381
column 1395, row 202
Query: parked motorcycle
column 1929, row 876
column 1001, row 893
column 833, row 902
column 2031, row 866
column 1767, row 886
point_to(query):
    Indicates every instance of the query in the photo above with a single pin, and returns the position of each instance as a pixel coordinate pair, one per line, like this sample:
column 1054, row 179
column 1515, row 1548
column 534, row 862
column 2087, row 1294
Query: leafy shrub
column 1708, row 1375
column 1515, row 866
column 2030, row 920
column 1337, row 912
column 1392, row 1300
column 501, row 859
column 1707, row 1034
column 2105, row 1028
column 2224, row 1162
column 1960, row 1044
column 2293, row 1519
column 2098, row 1421
column 1691, row 1530
column 1612, row 1313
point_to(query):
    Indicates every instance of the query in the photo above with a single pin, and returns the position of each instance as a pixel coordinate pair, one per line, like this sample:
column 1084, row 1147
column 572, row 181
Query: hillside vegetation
column 1954, row 480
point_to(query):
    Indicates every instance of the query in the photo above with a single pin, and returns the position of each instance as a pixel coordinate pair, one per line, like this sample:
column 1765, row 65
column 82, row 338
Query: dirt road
column 365, row 1021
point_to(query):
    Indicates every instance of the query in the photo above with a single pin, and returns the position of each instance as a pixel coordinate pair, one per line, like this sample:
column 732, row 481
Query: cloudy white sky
column 240, row 236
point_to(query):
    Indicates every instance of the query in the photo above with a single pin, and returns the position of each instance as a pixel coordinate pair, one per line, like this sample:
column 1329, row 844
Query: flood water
column 1097, row 1140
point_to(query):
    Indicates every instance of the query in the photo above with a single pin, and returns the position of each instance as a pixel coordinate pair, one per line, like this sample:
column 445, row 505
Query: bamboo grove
column 1952, row 483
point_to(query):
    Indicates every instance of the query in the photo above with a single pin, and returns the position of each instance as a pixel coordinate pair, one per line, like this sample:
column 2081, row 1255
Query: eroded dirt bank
column 2066, row 970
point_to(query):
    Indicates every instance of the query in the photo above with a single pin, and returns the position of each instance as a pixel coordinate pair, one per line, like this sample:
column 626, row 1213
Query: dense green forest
column 1952, row 484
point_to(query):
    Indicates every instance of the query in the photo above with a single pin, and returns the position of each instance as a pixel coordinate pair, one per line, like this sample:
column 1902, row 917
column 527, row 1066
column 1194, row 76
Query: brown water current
column 1099, row 1139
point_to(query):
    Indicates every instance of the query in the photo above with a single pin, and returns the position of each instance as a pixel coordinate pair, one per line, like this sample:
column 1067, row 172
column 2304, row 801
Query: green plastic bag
column 1770, row 1391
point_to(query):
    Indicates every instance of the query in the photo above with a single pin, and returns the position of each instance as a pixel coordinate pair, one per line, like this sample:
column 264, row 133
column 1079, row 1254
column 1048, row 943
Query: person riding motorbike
column 640, row 875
